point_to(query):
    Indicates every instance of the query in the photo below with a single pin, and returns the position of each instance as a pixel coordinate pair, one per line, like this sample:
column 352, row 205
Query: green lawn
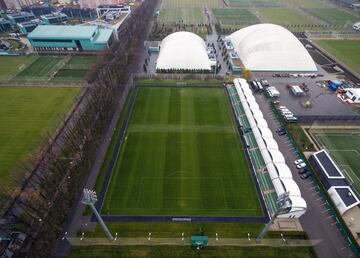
column 254, row 3
column 345, row 149
column 235, row 16
column 186, row 251
column 334, row 15
column 182, row 156
column 346, row 51
column 10, row 65
column 174, row 4
column 75, row 70
column 183, row 15
column 284, row 16
column 40, row 70
column 26, row 114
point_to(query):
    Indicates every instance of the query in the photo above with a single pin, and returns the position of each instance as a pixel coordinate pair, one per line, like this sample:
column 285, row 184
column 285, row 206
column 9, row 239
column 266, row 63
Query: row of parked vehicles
column 287, row 115
column 304, row 172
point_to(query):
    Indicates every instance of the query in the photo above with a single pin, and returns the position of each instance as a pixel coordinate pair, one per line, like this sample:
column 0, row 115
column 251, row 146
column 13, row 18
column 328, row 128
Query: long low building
column 48, row 38
column 334, row 181
column 279, row 172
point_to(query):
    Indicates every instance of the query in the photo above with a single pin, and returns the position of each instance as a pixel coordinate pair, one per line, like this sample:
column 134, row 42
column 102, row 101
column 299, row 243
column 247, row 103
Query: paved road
column 317, row 222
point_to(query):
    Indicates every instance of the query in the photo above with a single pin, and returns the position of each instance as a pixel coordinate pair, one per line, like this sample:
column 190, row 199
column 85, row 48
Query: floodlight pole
column 283, row 206
column 90, row 198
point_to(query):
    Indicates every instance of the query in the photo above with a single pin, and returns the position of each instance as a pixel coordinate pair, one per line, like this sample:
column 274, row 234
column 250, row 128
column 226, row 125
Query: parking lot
column 317, row 221
column 323, row 101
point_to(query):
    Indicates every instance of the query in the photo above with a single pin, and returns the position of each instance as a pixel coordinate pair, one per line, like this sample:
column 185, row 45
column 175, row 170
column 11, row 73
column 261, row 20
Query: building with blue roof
column 19, row 17
column 4, row 25
column 335, row 183
column 50, row 38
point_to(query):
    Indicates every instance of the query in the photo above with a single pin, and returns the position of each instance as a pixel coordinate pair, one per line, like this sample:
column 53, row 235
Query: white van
column 356, row 26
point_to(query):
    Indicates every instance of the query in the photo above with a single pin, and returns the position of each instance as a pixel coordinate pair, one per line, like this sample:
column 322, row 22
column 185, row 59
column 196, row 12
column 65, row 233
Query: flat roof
column 103, row 36
column 328, row 165
column 63, row 32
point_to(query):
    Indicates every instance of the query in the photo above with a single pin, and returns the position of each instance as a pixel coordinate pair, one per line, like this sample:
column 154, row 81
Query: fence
column 329, row 119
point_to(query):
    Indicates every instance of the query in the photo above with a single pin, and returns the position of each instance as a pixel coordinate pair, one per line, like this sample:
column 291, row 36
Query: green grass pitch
column 40, row 70
column 182, row 155
column 334, row 15
column 185, row 15
column 10, row 65
column 346, row 51
column 284, row 16
column 26, row 114
column 235, row 16
column 345, row 149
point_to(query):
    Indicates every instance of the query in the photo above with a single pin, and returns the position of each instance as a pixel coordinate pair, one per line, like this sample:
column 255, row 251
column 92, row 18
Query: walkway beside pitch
column 145, row 241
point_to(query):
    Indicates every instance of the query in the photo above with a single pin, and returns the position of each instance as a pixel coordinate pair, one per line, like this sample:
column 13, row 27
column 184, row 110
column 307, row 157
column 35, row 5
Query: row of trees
column 39, row 208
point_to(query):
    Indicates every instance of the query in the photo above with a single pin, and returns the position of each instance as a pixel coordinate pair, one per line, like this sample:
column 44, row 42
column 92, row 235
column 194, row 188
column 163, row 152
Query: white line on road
column 329, row 217
column 325, row 210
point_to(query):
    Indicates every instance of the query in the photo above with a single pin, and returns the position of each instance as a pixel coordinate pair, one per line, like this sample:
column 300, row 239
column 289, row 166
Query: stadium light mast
column 90, row 198
column 283, row 206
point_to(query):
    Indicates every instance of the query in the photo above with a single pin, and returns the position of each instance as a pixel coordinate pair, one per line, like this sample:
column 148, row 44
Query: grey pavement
column 317, row 221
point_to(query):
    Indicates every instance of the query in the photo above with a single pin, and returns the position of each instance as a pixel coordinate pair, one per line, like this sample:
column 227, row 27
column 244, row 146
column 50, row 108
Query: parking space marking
column 331, row 216
column 317, row 199
column 322, row 204
column 310, row 183
column 325, row 210
column 332, row 224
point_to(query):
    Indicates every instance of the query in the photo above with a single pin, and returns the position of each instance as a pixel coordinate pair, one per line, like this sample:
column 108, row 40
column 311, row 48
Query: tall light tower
column 90, row 198
column 283, row 206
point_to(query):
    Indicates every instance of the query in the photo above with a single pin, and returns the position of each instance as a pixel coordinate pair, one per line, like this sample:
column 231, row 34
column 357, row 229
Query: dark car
column 280, row 129
column 303, row 171
column 306, row 175
column 281, row 133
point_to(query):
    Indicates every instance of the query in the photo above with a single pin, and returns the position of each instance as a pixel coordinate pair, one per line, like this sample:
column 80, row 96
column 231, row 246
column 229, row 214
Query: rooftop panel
column 329, row 166
column 346, row 195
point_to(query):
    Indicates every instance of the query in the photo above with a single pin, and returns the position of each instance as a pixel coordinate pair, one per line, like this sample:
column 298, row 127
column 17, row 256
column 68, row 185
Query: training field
column 182, row 155
column 334, row 15
column 345, row 149
column 254, row 3
column 346, row 51
column 40, row 70
column 183, row 15
column 235, row 16
column 11, row 65
column 174, row 4
column 26, row 114
column 283, row 16
column 75, row 70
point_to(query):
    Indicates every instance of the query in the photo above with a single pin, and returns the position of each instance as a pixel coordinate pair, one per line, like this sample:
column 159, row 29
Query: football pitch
column 26, row 114
column 345, row 150
column 346, row 51
column 182, row 155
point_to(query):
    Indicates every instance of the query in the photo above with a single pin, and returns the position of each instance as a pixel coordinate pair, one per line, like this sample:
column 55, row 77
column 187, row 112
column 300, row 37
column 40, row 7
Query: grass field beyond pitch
column 346, row 51
column 182, row 155
column 345, row 150
column 26, row 114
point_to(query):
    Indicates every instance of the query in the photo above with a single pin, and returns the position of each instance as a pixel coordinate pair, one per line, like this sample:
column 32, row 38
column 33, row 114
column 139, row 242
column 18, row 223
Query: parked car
column 303, row 171
column 281, row 133
column 305, row 175
column 293, row 119
column 298, row 161
column 301, row 165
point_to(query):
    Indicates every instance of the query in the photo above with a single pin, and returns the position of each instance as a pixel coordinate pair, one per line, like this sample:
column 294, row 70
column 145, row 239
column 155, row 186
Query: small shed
column 199, row 241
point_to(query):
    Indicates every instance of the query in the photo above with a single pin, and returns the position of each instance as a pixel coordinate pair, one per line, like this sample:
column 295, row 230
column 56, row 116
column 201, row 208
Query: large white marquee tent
column 270, row 47
column 183, row 51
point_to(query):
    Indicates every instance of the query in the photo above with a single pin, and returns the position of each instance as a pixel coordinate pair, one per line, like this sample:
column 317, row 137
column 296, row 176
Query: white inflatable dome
column 183, row 50
column 270, row 47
